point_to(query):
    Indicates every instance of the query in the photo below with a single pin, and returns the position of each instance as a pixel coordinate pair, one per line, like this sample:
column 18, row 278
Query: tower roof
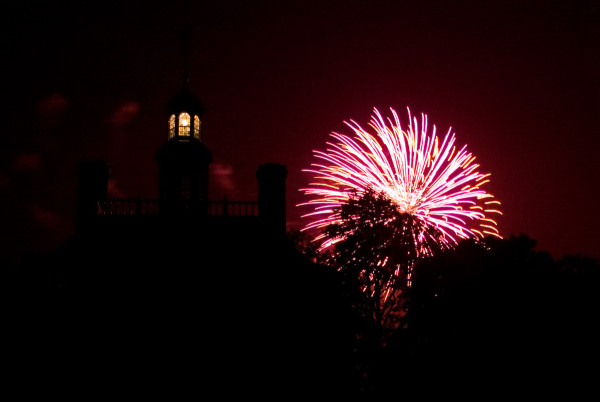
column 185, row 100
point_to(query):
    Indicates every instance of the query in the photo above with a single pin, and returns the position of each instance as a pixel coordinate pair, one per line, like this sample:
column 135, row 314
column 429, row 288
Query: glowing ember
column 435, row 182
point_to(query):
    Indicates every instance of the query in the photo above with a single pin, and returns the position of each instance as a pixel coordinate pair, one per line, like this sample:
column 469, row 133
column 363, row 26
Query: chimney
column 92, row 187
column 271, row 197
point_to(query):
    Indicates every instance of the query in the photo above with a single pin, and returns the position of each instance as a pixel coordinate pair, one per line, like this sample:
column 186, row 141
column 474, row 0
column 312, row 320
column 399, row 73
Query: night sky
column 518, row 82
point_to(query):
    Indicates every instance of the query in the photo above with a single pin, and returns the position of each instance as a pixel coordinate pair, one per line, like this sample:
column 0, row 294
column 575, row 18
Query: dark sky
column 518, row 82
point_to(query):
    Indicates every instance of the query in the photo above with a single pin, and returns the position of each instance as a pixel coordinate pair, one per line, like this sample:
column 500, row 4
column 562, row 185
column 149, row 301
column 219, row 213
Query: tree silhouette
column 375, row 248
column 496, row 311
column 492, row 310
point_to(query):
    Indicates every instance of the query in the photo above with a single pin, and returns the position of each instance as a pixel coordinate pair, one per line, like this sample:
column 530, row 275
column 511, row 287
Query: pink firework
column 436, row 182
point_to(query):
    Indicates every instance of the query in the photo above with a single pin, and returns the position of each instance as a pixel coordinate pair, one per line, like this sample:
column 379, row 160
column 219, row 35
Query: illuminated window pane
column 196, row 126
column 171, row 126
column 184, row 124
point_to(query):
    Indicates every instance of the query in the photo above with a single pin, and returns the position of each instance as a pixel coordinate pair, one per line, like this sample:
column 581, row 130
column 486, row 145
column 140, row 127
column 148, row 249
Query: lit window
column 184, row 124
column 196, row 127
column 171, row 126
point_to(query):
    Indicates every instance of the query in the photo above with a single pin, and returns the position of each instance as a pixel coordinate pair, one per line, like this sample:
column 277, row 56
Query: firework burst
column 428, row 178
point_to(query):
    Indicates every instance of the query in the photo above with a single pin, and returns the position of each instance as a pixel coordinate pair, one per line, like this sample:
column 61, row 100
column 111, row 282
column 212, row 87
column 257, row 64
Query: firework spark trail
column 437, row 183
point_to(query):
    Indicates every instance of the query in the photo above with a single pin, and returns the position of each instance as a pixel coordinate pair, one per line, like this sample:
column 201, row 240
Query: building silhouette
column 183, row 182
column 184, row 295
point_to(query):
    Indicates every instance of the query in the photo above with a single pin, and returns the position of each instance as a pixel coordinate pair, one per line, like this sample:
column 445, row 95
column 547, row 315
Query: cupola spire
column 183, row 161
column 185, row 109
column 185, row 39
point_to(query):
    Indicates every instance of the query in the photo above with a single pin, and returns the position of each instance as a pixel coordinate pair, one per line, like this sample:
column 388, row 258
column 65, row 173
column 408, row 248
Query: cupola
column 185, row 116
column 183, row 160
